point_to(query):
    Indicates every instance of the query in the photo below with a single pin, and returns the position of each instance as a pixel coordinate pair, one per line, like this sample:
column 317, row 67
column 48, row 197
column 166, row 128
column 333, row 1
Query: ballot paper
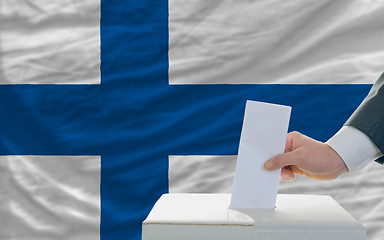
column 263, row 136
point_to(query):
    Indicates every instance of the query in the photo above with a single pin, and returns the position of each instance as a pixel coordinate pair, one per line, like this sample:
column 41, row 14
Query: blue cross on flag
column 95, row 96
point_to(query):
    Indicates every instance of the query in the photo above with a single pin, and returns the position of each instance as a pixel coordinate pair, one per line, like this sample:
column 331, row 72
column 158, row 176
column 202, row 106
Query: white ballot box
column 208, row 217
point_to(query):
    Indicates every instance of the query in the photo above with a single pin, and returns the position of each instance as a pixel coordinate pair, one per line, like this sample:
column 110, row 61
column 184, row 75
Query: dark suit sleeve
column 369, row 116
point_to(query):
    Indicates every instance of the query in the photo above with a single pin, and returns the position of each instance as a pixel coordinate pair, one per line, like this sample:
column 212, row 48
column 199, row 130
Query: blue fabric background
column 134, row 119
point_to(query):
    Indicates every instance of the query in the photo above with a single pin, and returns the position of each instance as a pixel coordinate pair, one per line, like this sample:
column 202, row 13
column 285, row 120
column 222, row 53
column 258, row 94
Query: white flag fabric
column 50, row 197
column 55, row 42
column 264, row 42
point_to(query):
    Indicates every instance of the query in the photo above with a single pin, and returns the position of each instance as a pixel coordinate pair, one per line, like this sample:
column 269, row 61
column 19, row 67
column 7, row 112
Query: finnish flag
column 106, row 105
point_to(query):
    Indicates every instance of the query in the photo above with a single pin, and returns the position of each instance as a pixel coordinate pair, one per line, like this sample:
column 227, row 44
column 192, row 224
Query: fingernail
column 268, row 165
column 286, row 176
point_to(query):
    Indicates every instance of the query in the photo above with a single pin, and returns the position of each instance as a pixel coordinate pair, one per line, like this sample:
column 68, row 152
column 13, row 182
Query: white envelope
column 263, row 136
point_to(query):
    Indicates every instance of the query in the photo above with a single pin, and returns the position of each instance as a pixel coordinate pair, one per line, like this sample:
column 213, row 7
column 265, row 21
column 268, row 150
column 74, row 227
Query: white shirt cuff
column 354, row 147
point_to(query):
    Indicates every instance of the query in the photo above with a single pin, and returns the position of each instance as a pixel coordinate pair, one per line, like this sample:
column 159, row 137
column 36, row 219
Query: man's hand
column 307, row 157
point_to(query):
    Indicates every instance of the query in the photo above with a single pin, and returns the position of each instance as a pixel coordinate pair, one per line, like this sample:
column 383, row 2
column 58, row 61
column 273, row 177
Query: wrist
column 339, row 165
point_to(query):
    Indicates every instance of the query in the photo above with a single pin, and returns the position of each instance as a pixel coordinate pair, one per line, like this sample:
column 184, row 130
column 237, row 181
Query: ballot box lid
column 213, row 209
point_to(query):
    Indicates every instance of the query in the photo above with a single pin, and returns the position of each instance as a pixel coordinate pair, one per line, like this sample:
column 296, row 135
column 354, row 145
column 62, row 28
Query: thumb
column 282, row 160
